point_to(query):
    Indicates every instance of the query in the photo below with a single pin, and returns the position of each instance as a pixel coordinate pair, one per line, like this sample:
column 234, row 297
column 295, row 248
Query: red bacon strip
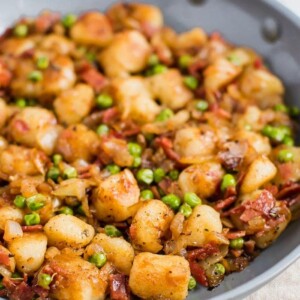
column 119, row 289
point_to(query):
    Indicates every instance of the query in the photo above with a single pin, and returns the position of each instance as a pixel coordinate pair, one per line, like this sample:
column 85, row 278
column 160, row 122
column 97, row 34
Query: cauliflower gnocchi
column 135, row 161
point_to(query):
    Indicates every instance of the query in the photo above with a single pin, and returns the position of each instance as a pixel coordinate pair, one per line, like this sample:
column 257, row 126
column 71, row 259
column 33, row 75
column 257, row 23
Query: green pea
column 91, row 57
column 21, row 102
column 172, row 200
column 185, row 60
column 53, row 173
column 237, row 243
column 21, row 30
column 112, row 231
column 137, row 161
column 267, row 130
column 186, row 210
column 164, row 115
column 281, row 107
column 288, row 141
column 192, row 199
column 201, row 105
column 20, row 201
column 42, row 62
column 145, row 176
column 69, row 20
column 135, row 149
column 32, row 219
column 98, row 259
column 57, row 159
column 158, row 69
column 80, row 210
column 113, row 169
column 102, row 129
column 65, row 210
column 228, row 181
column 294, row 111
column 192, row 283
column 285, row 155
column 69, row 173
column 44, row 280
column 1, row 285
column 36, row 202
column 277, row 134
column 219, row 269
column 285, row 129
column 158, row 175
column 35, row 76
column 191, row 82
column 174, row 174
column 153, row 60
column 16, row 275
column 147, row 194
column 104, row 101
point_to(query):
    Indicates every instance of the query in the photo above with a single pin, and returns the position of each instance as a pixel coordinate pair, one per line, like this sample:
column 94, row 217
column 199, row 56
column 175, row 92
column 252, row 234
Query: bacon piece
column 288, row 191
column 221, row 204
column 45, row 21
column 5, row 75
column 258, row 64
column 110, row 114
column 94, row 78
column 119, row 289
column 4, row 259
column 167, row 146
column 196, row 68
column 17, row 290
column 200, row 254
column 249, row 246
column 32, row 228
column 220, row 112
column 21, row 126
column 235, row 234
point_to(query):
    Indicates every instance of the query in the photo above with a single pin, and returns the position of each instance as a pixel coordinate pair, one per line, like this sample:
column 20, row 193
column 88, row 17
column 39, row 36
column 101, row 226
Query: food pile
column 135, row 160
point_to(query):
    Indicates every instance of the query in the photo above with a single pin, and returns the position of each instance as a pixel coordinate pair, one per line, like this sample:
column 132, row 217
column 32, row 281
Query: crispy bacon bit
column 196, row 68
column 200, row 254
column 5, row 75
column 32, row 228
column 258, row 64
column 249, row 246
column 273, row 189
column 223, row 204
column 259, row 207
column 110, row 114
column 45, row 21
column 17, row 290
column 94, row 78
column 220, row 112
column 167, row 146
column 119, row 289
column 4, row 258
column 235, row 234
column 289, row 190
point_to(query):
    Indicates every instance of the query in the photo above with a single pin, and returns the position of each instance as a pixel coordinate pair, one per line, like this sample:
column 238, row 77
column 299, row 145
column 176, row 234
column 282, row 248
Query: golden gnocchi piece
column 168, row 274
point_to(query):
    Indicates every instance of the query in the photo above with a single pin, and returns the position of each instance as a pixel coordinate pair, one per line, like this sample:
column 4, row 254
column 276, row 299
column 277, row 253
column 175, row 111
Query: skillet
column 264, row 25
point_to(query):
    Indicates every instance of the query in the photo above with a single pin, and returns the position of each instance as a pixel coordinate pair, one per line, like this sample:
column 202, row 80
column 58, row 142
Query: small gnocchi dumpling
column 156, row 276
column 260, row 172
column 220, row 73
column 202, row 179
column 77, row 142
column 10, row 213
column 57, row 44
column 190, row 41
column 149, row 226
column 134, row 100
column 140, row 16
column 169, row 88
column 16, row 46
column 68, row 231
column 35, row 127
column 194, row 142
column 29, row 251
column 262, row 86
column 92, row 29
column 75, row 278
column 118, row 251
column 73, row 105
column 127, row 53
column 203, row 226
column 114, row 197
column 15, row 160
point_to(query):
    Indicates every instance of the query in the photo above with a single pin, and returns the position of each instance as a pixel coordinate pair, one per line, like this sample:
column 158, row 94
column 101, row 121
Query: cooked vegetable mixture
column 136, row 161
